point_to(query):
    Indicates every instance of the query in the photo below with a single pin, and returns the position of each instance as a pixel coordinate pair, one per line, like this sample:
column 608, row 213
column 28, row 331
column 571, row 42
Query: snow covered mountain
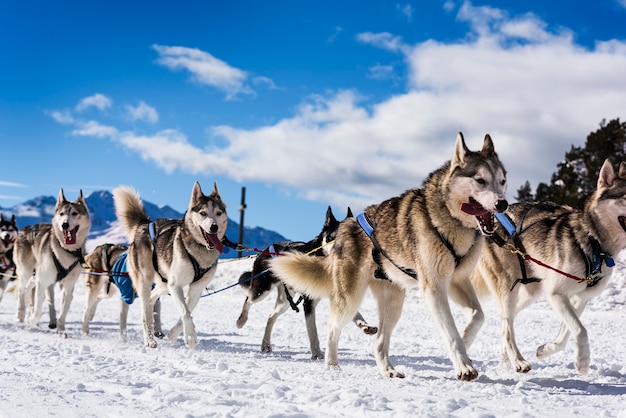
column 106, row 229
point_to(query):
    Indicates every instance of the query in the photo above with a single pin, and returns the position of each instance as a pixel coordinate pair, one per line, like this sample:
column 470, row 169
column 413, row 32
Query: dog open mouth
column 213, row 241
column 7, row 241
column 69, row 235
column 485, row 218
column 622, row 221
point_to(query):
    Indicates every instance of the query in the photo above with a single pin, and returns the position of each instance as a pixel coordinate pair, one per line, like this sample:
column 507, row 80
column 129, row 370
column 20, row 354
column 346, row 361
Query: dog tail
column 129, row 210
column 308, row 275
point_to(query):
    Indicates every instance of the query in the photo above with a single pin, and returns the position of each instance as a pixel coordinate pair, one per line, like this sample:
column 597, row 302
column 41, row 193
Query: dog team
column 455, row 238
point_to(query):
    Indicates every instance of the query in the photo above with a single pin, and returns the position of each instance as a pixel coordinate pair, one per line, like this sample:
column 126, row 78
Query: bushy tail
column 308, row 275
column 129, row 210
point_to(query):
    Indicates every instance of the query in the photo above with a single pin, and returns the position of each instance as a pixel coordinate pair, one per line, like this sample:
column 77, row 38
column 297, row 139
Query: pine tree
column 577, row 175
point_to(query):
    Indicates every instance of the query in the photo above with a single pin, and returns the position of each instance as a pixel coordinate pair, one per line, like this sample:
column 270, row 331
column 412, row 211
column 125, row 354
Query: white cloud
column 381, row 72
column 384, row 40
column 142, row 112
column 406, row 11
column 98, row 101
column 205, row 69
column 64, row 117
column 532, row 88
column 10, row 184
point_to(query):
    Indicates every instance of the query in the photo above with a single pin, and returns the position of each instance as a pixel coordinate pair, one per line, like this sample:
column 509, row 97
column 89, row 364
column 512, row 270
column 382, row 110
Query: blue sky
column 306, row 104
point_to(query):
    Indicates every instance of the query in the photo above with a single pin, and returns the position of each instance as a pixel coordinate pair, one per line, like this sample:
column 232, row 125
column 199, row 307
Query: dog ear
column 460, row 149
column 196, row 194
column 216, row 192
column 61, row 198
column 607, row 175
column 330, row 217
column 622, row 170
column 488, row 148
column 81, row 198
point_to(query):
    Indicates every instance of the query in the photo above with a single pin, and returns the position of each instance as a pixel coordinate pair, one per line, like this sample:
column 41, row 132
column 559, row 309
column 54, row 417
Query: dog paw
column 468, row 374
column 317, row 356
column 151, row 343
column 266, row 348
column 393, row 373
column 522, row 367
column 159, row 334
column 370, row 330
column 241, row 321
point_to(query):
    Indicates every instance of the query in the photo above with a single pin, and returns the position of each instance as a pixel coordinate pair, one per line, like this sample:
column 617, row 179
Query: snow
column 102, row 375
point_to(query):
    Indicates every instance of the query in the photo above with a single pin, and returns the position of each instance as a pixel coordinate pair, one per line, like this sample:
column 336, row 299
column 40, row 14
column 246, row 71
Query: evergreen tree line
column 577, row 175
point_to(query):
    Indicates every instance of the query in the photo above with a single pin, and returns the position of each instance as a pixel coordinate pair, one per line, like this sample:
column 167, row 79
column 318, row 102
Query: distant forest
column 577, row 175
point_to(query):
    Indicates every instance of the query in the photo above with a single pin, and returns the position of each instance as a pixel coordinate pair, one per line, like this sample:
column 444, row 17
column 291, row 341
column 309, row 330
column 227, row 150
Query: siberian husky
column 564, row 244
column 106, row 274
column 46, row 254
column 172, row 254
column 8, row 235
column 260, row 281
column 429, row 237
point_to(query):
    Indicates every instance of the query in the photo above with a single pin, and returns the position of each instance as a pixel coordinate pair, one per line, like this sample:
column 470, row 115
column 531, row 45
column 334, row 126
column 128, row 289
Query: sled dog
column 106, row 275
column 8, row 235
column 172, row 254
column 578, row 243
column 428, row 237
column 260, row 281
column 46, row 254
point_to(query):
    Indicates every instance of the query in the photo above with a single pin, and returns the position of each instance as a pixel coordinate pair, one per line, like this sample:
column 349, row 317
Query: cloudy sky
column 306, row 104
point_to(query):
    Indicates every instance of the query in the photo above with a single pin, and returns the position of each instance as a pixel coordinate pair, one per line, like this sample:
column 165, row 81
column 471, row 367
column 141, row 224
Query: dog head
column 208, row 217
column 8, row 233
column 71, row 221
column 608, row 203
column 478, row 183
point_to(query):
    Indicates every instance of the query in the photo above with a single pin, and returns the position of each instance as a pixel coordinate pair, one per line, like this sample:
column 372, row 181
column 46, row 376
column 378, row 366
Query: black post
column 242, row 209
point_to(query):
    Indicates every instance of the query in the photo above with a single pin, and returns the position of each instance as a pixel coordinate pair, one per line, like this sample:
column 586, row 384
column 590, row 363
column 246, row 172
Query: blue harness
column 119, row 276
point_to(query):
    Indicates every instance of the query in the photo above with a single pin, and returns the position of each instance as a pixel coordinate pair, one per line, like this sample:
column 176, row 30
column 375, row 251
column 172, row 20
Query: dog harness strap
column 593, row 264
column 377, row 251
column 62, row 272
column 294, row 305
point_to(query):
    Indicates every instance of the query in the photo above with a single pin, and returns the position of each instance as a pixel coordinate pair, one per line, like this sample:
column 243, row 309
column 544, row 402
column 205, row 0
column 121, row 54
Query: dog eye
column 482, row 182
column 203, row 214
column 219, row 213
column 503, row 182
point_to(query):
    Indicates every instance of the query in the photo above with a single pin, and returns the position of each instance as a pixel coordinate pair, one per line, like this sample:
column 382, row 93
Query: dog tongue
column 70, row 236
column 474, row 208
column 216, row 243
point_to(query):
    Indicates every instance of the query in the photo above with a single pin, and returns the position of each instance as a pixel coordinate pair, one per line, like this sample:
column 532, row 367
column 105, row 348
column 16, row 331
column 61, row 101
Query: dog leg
column 37, row 301
column 52, row 324
column 436, row 299
column 185, row 307
column 282, row 304
column 390, row 299
column 144, row 295
column 24, row 292
column 560, row 341
column 311, row 327
column 363, row 325
column 570, row 319
column 67, row 288
column 243, row 316
column 123, row 320
column 158, row 331
column 93, row 284
column 462, row 292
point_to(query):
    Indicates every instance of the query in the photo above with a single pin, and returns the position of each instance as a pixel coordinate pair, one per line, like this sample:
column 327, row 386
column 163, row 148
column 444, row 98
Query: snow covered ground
column 100, row 375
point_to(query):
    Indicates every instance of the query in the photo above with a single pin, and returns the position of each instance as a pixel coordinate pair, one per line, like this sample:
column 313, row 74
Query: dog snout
column 65, row 225
column 502, row 205
column 214, row 229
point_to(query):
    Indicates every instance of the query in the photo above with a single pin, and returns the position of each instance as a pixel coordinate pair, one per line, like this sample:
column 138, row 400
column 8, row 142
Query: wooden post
column 242, row 209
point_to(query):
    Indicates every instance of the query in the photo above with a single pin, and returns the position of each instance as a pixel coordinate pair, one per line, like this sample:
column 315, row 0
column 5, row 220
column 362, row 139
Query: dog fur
column 559, row 237
column 46, row 254
column 434, row 231
column 185, row 252
column 260, row 281
column 8, row 235
column 100, row 285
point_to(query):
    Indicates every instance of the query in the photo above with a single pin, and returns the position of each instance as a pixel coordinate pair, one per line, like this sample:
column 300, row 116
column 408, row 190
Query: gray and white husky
column 172, row 254
column 260, row 281
column 8, row 235
column 46, row 254
column 570, row 244
column 106, row 276
column 429, row 237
